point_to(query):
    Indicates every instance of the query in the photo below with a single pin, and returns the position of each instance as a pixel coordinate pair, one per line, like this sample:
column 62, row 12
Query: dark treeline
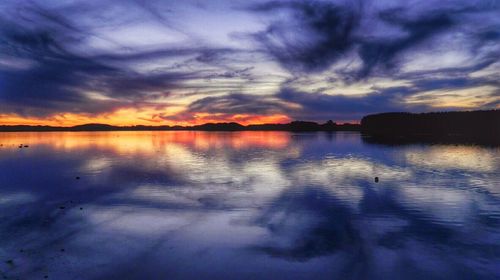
column 472, row 126
column 482, row 127
column 232, row 126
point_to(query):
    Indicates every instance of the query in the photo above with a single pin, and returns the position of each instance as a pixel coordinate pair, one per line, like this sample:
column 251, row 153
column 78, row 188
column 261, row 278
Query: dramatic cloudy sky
column 65, row 62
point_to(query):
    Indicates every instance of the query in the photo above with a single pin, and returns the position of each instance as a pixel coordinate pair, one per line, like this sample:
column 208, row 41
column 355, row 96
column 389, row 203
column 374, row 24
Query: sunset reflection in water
column 273, row 205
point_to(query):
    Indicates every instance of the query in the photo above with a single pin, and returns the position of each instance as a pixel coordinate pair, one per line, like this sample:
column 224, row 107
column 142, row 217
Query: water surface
column 245, row 205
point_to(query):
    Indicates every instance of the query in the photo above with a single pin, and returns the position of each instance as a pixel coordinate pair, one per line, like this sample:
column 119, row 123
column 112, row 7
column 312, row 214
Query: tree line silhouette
column 483, row 126
column 231, row 126
column 469, row 125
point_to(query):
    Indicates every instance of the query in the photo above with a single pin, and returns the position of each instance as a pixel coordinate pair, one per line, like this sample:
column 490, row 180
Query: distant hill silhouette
column 232, row 126
column 482, row 127
column 92, row 126
column 470, row 126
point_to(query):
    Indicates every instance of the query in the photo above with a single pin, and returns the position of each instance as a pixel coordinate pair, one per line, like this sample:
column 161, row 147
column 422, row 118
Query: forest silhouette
column 466, row 126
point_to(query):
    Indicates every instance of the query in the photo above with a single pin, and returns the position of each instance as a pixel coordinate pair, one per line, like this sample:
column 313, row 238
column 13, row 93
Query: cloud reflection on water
column 267, row 204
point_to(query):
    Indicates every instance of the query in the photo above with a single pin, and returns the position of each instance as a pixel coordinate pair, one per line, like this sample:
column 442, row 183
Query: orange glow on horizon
column 244, row 119
column 130, row 117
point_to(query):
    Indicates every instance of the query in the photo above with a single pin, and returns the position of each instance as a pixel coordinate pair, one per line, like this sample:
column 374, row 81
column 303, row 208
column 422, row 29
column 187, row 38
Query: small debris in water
column 9, row 262
column 61, row 207
column 81, row 208
column 77, row 177
column 62, row 250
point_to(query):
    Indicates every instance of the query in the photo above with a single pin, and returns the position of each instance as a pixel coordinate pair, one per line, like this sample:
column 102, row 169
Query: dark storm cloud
column 315, row 35
column 328, row 34
column 53, row 76
column 383, row 52
column 422, row 85
column 56, row 78
column 44, row 74
column 320, row 106
column 318, row 34
column 238, row 73
column 237, row 104
column 231, row 104
column 301, row 105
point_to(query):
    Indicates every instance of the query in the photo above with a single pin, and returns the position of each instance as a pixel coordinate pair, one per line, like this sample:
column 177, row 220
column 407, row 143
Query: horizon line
column 177, row 125
column 337, row 123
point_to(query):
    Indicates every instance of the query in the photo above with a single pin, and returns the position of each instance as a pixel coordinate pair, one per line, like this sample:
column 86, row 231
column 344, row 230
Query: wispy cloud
column 294, row 58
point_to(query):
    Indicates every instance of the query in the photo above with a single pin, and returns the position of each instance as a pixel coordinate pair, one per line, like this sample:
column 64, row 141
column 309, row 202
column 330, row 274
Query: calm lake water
column 245, row 205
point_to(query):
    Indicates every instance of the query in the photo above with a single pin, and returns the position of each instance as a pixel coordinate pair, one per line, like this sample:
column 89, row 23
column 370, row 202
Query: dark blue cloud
column 57, row 77
column 320, row 106
column 237, row 104
column 329, row 29
column 232, row 104
column 383, row 52
column 317, row 34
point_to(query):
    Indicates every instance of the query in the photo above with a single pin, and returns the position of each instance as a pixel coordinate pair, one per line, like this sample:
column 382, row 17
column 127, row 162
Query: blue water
column 245, row 205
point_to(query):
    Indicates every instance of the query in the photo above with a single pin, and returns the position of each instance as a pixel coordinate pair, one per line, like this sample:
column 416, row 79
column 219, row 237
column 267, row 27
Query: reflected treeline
column 430, row 140
column 473, row 127
column 481, row 127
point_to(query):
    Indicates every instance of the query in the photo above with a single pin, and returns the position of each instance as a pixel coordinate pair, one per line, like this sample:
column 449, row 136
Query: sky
column 131, row 62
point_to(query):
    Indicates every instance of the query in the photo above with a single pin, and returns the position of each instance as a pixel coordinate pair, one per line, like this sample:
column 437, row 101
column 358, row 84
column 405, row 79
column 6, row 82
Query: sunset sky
column 69, row 62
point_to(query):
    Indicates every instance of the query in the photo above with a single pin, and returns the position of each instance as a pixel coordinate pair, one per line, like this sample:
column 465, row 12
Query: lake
column 245, row 205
